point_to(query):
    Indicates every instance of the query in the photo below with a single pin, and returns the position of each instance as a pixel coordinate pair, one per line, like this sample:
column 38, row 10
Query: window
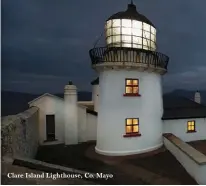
column 191, row 126
column 131, row 87
column 132, row 127
column 126, row 29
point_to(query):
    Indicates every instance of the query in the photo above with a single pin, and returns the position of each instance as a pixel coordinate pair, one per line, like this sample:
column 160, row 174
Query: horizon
column 164, row 92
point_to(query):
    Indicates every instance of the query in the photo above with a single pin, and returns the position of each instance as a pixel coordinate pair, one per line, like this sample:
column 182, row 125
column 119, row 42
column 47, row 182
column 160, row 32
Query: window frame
column 132, row 134
column 193, row 124
column 133, row 86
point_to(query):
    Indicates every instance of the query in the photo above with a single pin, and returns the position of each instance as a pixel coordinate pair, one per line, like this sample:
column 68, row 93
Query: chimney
column 197, row 97
column 70, row 114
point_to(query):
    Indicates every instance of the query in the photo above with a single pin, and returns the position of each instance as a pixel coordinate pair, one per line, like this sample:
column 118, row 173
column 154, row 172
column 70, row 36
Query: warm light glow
column 191, row 126
column 130, row 33
column 129, row 121
column 132, row 86
column 135, row 128
column 128, row 129
column 129, row 90
column 132, row 125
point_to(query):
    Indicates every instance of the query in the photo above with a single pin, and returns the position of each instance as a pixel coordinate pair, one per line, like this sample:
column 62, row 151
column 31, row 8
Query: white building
column 126, row 113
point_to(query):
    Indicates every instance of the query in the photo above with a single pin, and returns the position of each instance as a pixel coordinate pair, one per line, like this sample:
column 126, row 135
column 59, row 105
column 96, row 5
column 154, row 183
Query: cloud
column 51, row 38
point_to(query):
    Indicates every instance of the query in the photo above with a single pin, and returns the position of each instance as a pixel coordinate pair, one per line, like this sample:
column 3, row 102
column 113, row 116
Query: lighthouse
column 130, row 69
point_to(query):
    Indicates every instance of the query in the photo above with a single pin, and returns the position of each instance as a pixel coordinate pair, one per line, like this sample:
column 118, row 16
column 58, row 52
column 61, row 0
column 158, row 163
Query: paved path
column 134, row 171
column 145, row 175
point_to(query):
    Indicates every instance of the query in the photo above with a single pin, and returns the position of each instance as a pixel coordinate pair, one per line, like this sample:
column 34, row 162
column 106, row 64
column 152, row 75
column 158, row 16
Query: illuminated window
column 132, row 125
column 191, row 126
column 131, row 33
column 131, row 86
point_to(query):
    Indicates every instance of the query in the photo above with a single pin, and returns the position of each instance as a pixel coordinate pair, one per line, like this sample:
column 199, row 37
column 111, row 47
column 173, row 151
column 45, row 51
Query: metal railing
column 128, row 55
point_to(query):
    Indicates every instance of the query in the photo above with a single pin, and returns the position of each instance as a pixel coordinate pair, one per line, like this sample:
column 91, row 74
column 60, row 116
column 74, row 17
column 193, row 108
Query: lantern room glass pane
column 109, row 40
column 136, row 24
column 126, row 39
column 153, row 37
column 116, row 23
column 153, row 45
column 109, row 24
column 127, row 31
column 137, row 40
column 146, row 47
column 146, row 27
column 146, row 42
column 136, row 32
column 146, row 34
column 130, row 33
column 126, row 45
column 116, row 31
column 116, row 39
column 127, row 23
column 153, row 30
column 109, row 32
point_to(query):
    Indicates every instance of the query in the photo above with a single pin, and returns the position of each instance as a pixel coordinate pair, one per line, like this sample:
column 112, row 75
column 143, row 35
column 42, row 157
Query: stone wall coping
column 7, row 120
column 191, row 152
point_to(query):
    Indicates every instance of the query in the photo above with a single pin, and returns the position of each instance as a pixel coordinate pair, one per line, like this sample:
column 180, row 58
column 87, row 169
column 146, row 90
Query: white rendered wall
column 178, row 127
column 114, row 108
column 197, row 171
column 70, row 114
column 82, row 124
column 91, row 127
column 50, row 106
column 95, row 96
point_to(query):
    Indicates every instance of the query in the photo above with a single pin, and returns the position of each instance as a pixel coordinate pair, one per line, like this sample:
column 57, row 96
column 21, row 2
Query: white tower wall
column 70, row 114
column 114, row 108
column 95, row 96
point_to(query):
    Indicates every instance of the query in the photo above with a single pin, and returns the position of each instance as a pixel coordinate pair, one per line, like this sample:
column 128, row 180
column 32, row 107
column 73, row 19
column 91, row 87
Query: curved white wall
column 114, row 108
column 95, row 96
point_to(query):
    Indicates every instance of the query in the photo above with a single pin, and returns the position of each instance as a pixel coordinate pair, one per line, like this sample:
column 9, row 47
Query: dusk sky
column 45, row 43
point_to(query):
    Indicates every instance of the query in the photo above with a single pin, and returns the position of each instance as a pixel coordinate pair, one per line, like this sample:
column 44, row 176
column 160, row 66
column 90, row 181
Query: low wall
column 192, row 160
column 87, row 124
column 19, row 134
column 91, row 125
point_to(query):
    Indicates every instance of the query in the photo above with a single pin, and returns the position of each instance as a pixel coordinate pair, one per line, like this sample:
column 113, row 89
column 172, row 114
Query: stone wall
column 192, row 160
column 19, row 134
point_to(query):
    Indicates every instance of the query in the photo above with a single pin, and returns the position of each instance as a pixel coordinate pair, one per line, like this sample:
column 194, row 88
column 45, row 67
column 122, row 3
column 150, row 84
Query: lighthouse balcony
column 128, row 58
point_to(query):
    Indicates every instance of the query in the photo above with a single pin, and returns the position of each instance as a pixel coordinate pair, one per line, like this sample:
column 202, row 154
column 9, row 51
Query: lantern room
column 130, row 29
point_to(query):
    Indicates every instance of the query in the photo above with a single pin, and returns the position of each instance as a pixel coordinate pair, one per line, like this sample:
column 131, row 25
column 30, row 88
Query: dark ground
column 165, row 164
column 199, row 145
column 73, row 156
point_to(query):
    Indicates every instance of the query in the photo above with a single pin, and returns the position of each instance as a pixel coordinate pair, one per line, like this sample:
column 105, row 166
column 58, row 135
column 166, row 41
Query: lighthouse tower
column 130, row 105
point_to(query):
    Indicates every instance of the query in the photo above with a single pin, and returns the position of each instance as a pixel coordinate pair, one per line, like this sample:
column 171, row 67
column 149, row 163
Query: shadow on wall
column 192, row 160
column 19, row 134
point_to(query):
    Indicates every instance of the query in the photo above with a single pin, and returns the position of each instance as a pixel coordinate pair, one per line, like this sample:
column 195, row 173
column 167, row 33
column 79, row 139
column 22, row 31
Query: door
column 50, row 127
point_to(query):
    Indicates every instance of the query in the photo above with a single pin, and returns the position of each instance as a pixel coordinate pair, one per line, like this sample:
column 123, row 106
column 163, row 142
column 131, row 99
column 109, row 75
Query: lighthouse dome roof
column 131, row 13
